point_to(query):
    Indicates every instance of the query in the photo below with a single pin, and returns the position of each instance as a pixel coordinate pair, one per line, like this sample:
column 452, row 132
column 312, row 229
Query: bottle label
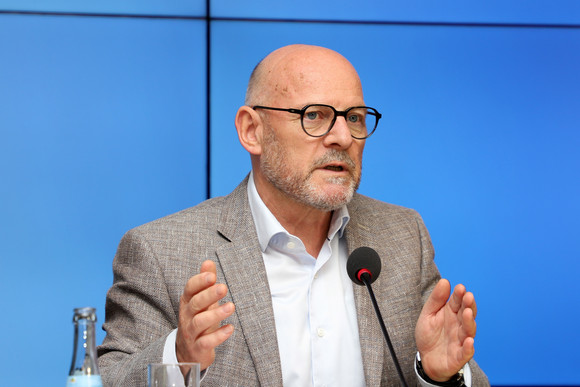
column 84, row 381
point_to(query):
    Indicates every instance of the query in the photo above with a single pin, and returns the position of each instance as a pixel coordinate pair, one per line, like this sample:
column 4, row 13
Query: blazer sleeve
column 429, row 272
column 429, row 278
column 140, row 314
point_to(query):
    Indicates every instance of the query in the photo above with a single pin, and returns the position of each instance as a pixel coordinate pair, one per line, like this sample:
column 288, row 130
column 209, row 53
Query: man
column 253, row 285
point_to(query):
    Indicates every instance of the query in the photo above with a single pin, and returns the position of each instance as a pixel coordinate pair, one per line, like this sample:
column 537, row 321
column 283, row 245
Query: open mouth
column 335, row 168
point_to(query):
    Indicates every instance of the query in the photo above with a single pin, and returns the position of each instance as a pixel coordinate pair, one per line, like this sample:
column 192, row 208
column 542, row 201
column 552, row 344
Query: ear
column 249, row 126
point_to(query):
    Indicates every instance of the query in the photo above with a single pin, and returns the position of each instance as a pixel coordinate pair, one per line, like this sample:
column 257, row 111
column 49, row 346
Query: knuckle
column 193, row 307
column 197, row 322
column 205, row 344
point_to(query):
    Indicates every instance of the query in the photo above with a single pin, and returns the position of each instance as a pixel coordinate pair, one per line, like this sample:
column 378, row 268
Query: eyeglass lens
column 317, row 120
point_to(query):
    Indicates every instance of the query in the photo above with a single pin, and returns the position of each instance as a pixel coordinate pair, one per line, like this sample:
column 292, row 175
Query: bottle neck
column 84, row 361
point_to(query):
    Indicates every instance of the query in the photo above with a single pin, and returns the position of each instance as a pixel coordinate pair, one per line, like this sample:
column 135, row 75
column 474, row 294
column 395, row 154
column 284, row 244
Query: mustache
column 334, row 155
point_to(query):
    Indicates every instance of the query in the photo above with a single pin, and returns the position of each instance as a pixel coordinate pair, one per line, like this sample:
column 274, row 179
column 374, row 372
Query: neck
column 309, row 224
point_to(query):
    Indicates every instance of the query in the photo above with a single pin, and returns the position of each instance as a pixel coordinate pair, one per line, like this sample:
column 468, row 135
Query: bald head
column 300, row 71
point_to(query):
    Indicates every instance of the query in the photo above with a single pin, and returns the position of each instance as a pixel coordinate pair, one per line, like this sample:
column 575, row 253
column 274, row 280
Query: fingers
column 469, row 302
column 438, row 297
column 456, row 299
column 206, row 298
column 204, row 322
column 209, row 341
column 468, row 325
column 466, row 303
column 467, row 351
column 202, row 294
column 462, row 299
column 207, row 321
column 200, row 315
column 206, row 278
column 466, row 317
column 208, row 266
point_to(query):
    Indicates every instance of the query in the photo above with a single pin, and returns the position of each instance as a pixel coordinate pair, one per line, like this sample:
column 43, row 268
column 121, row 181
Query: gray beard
column 279, row 173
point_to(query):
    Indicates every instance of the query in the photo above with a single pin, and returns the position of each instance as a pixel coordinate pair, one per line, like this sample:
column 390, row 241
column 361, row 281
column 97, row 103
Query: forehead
column 314, row 76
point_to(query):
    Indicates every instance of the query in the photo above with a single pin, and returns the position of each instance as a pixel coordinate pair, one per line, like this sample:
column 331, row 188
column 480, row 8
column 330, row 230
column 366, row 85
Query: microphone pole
column 365, row 277
column 363, row 267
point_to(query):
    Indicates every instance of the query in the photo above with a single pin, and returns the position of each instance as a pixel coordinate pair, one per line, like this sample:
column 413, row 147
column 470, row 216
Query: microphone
column 363, row 260
column 363, row 267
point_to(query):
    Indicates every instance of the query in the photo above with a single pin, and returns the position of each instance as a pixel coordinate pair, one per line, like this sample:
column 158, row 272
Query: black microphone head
column 363, row 259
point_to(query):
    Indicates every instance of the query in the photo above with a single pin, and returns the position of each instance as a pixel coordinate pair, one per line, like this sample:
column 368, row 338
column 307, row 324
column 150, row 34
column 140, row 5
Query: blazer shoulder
column 202, row 222
column 204, row 214
column 368, row 206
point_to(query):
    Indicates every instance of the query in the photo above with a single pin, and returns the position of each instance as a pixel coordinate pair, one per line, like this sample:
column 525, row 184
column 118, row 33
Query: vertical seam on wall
column 208, row 98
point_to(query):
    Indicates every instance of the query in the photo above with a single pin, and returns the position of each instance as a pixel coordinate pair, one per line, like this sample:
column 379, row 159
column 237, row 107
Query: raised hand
column 445, row 331
column 200, row 314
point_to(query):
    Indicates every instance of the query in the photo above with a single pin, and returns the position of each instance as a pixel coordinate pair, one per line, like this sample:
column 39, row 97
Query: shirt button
column 321, row 332
column 291, row 245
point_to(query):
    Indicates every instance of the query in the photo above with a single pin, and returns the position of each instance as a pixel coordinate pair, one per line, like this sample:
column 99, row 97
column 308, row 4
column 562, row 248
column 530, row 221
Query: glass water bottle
column 84, row 370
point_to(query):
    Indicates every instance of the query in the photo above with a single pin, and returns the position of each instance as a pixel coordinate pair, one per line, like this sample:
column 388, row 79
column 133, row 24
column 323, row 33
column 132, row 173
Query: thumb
column 438, row 297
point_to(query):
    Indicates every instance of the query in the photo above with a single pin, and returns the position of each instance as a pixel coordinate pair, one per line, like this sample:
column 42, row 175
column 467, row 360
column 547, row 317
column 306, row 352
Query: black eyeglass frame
column 337, row 113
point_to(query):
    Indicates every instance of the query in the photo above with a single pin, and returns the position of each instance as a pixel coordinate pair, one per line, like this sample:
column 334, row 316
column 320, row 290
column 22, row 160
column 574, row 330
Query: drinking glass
column 173, row 375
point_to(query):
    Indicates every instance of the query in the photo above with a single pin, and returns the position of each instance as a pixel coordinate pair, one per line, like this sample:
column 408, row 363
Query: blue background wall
column 103, row 123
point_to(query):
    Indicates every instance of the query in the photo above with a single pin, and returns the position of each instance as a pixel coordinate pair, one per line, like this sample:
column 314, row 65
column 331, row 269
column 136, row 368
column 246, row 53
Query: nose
column 339, row 135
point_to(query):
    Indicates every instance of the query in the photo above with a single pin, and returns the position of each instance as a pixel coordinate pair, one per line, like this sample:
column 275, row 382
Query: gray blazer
column 154, row 261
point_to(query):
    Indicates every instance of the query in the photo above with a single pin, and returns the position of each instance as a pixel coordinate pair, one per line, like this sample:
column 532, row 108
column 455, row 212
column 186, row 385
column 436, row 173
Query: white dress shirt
column 313, row 302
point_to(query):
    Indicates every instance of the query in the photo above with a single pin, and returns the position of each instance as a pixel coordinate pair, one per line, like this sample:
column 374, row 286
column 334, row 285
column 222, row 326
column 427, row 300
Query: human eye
column 316, row 114
column 356, row 117
column 311, row 115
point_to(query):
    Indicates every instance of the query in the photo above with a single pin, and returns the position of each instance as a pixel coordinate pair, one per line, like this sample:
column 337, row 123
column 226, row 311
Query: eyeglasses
column 317, row 120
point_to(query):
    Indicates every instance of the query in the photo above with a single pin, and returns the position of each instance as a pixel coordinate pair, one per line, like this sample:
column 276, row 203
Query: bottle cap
column 86, row 313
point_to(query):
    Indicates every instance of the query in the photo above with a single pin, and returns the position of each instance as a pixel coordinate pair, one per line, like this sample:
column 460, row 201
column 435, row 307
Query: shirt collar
column 267, row 226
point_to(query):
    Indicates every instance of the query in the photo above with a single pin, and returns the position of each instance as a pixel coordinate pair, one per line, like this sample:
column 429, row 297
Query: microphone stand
column 365, row 277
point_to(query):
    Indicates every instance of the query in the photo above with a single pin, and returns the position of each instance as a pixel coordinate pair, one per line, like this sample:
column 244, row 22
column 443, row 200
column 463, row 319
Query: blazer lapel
column 245, row 275
column 377, row 359
column 370, row 334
